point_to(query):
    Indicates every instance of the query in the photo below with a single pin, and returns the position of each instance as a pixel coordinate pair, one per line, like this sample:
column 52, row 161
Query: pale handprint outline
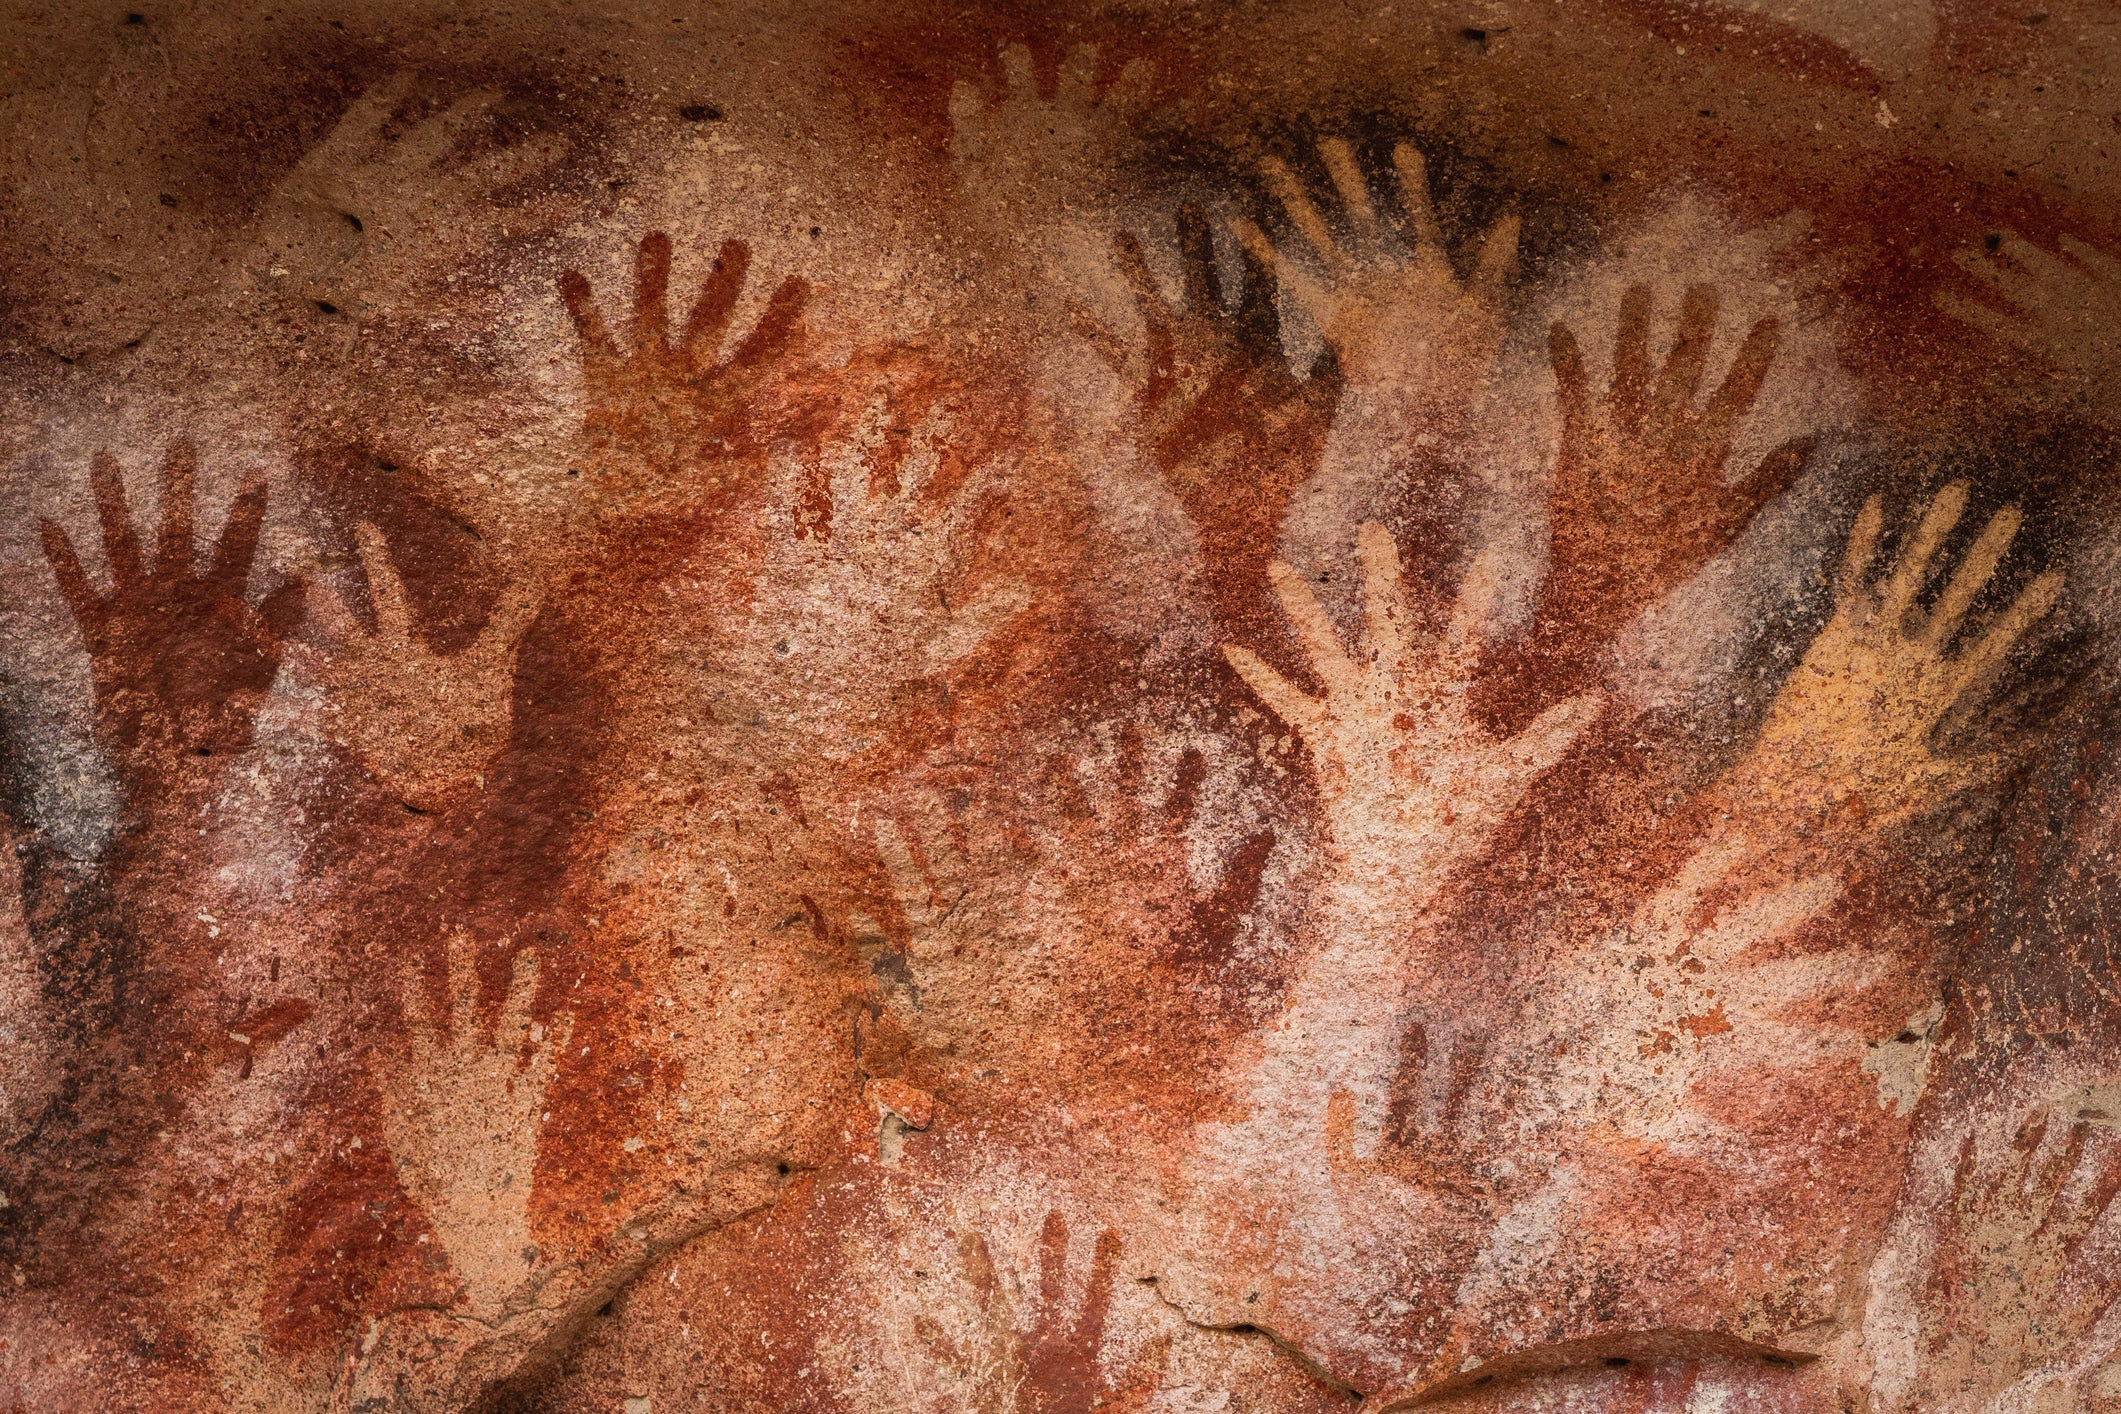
column 1412, row 786
column 1855, row 720
column 463, row 1112
column 1412, row 782
column 2062, row 309
column 424, row 723
column 1632, row 1030
column 874, row 533
column 1386, row 296
column 1219, row 410
column 2012, row 1288
column 1684, row 992
column 357, row 197
column 1021, row 158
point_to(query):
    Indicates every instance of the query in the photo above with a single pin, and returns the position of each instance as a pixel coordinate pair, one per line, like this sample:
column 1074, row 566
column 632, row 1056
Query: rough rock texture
column 865, row 706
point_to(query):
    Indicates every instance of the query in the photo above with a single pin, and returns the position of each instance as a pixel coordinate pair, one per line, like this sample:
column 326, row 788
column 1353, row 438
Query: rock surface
column 865, row 706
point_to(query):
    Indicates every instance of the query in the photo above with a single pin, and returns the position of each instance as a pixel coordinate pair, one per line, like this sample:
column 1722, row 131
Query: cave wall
column 1242, row 707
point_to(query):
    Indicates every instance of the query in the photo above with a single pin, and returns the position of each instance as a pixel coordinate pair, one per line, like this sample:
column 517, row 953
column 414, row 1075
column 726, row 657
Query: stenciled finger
column 2012, row 329
column 1383, row 598
column 2051, row 271
column 908, row 881
column 2032, row 604
column 651, row 294
column 1019, row 75
column 121, row 546
column 281, row 612
column 1130, row 92
column 1298, row 710
column 512, row 165
column 435, row 138
column 1913, row 568
column 1474, row 606
column 1539, row 746
column 1414, row 200
column 360, row 127
column 1288, row 190
column 74, row 587
column 1258, row 319
column 513, row 614
column 2012, row 282
column 575, row 294
column 425, row 1022
column 1972, row 576
column 1308, row 291
column 1113, row 351
column 1572, row 384
column 522, row 993
column 1680, row 379
column 1777, row 472
column 173, row 539
column 237, row 550
column 463, row 983
column 1630, row 394
column 1321, row 641
column 1862, row 550
column 341, row 625
column 709, row 320
column 1156, row 311
column 385, row 590
column 2100, row 263
column 968, row 104
column 1496, row 264
column 1354, row 189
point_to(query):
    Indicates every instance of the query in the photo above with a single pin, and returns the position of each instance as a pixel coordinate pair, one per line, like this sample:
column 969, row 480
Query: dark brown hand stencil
column 673, row 423
column 179, row 660
column 1231, row 428
column 1640, row 502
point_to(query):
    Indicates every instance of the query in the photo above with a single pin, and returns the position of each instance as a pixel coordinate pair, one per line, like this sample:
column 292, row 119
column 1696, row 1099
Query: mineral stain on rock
column 840, row 707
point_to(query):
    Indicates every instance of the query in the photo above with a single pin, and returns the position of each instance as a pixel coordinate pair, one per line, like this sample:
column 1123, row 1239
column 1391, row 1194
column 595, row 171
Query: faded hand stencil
column 855, row 708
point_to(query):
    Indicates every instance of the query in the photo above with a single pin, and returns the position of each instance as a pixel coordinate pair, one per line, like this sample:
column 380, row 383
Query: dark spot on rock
column 1992, row 241
column 166, row 199
column 700, row 113
column 352, row 220
column 326, row 307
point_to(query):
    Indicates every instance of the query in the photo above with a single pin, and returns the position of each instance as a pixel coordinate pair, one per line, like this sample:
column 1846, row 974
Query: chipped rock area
column 845, row 706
